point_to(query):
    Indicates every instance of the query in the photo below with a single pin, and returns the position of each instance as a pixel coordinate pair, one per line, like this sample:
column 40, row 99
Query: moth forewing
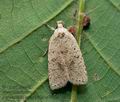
column 65, row 61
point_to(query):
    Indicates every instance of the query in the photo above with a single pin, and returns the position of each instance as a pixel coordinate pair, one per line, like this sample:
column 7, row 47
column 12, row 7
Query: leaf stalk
column 79, row 28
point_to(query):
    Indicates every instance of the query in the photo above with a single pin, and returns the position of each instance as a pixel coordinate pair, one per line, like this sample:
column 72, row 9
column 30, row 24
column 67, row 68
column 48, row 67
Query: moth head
column 60, row 24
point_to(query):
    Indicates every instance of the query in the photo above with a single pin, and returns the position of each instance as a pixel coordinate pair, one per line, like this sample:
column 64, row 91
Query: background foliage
column 24, row 39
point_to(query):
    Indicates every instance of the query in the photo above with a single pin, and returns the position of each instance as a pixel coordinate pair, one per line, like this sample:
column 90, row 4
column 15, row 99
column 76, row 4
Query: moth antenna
column 51, row 28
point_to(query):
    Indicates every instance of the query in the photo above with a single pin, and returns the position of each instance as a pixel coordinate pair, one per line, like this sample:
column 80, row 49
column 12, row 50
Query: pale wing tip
column 79, row 81
column 57, row 86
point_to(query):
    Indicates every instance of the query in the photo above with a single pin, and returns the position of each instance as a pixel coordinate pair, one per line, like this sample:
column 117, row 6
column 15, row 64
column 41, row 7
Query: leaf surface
column 24, row 39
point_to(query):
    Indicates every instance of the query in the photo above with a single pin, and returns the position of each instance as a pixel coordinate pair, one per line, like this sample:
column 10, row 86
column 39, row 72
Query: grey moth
column 65, row 61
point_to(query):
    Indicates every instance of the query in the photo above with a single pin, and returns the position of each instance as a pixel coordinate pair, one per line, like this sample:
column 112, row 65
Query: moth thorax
column 60, row 24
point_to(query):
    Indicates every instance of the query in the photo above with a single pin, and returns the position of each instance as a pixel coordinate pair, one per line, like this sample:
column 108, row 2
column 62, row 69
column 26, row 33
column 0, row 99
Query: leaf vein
column 102, row 56
column 32, row 30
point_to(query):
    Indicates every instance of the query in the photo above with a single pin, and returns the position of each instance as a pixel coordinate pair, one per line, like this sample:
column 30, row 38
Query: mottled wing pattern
column 76, row 67
column 56, row 64
column 65, row 61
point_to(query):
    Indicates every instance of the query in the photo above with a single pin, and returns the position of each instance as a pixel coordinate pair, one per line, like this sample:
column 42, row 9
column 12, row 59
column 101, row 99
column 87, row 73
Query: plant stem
column 74, row 94
column 79, row 28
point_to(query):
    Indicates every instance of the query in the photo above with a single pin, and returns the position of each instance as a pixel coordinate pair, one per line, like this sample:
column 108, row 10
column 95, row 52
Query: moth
column 65, row 61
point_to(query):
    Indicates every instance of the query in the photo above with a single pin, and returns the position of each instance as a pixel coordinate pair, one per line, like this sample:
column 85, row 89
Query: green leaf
column 101, row 48
column 24, row 39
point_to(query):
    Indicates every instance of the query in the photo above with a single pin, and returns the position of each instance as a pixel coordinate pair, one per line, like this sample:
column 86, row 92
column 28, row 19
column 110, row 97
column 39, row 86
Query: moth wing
column 56, row 66
column 76, row 66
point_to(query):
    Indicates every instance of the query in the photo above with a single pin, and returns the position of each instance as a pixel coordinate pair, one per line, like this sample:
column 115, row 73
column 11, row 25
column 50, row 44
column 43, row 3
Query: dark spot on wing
column 77, row 56
column 61, row 35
